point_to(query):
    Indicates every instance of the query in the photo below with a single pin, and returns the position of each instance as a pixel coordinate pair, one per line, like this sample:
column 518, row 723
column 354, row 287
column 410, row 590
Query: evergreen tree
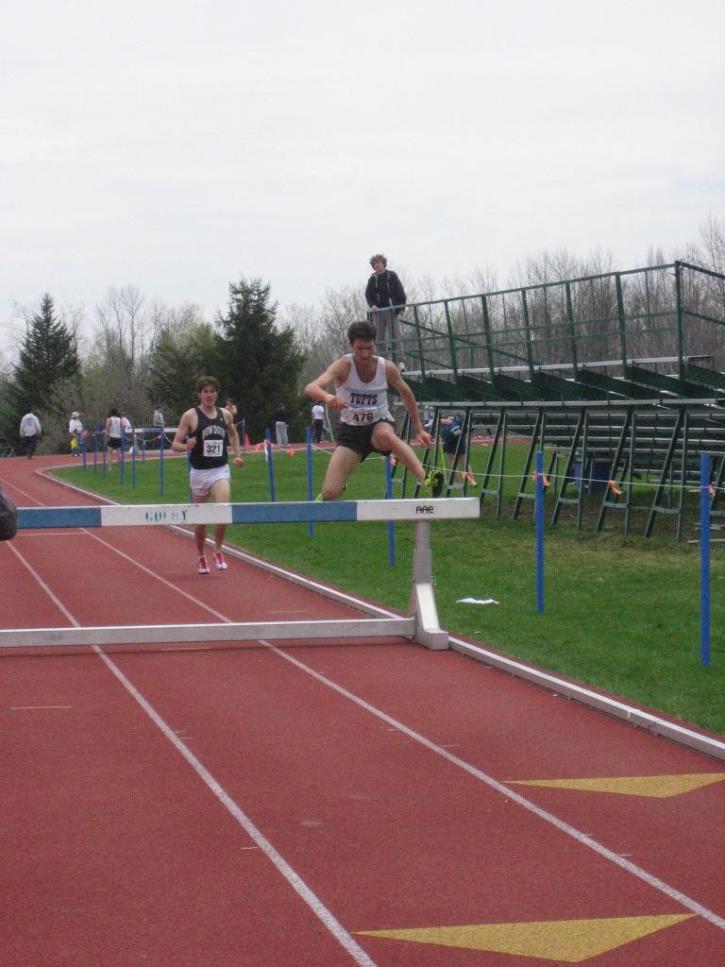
column 48, row 357
column 180, row 356
column 260, row 363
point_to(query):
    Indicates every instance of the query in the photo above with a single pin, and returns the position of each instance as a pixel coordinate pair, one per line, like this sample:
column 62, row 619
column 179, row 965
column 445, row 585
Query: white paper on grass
column 476, row 601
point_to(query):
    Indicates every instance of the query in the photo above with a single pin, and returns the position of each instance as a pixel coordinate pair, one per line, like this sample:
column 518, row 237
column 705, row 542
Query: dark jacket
column 8, row 518
column 385, row 290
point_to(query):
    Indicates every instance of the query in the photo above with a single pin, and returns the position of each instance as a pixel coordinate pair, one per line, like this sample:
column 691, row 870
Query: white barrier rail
column 422, row 624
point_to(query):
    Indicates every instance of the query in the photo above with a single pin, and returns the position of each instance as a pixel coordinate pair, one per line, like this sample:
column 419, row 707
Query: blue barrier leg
column 704, row 559
column 539, row 531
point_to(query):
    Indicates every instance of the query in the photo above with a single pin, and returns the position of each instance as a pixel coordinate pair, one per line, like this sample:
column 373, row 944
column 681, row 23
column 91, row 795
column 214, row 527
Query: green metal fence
column 664, row 320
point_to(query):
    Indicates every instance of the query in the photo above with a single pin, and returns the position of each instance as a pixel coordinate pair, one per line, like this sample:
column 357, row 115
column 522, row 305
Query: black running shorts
column 358, row 438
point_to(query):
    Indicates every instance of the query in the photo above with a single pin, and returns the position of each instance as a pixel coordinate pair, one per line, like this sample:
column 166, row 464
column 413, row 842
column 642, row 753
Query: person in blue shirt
column 452, row 440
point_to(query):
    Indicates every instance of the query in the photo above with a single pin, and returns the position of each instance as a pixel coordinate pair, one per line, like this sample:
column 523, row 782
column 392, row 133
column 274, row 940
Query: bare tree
column 124, row 336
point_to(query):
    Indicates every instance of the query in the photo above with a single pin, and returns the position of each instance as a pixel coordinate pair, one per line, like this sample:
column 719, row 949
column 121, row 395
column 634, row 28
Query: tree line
column 143, row 353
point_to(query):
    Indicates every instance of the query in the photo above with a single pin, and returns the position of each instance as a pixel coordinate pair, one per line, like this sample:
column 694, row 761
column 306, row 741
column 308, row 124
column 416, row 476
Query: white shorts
column 201, row 481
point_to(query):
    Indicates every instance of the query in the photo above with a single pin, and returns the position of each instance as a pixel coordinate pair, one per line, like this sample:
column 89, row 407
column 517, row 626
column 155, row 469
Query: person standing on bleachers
column 383, row 291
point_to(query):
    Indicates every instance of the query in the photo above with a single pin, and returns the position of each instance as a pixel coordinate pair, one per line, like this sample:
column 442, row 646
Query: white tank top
column 365, row 403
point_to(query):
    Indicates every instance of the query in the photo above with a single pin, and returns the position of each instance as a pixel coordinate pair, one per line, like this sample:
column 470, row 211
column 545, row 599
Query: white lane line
column 506, row 791
column 38, row 579
column 168, row 584
column 293, row 878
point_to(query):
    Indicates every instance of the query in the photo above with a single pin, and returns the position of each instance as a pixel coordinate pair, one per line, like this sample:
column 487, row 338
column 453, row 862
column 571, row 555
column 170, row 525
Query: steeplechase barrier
column 421, row 625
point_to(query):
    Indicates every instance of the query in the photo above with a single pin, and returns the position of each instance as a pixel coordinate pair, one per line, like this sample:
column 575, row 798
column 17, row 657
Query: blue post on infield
column 162, row 440
column 388, row 496
column 270, row 463
column 310, row 481
column 705, row 559
column 539, row 514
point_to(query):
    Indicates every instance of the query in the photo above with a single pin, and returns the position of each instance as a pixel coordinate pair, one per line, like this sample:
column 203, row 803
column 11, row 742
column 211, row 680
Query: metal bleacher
column 619, row 378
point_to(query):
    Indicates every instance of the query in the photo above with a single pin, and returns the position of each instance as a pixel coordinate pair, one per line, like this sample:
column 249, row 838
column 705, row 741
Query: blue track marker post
column 270, row 463
column 391, row 524
column 539, row 505
column 122, row 456
column 310, row 479
column 162, row 440
column 705, row 559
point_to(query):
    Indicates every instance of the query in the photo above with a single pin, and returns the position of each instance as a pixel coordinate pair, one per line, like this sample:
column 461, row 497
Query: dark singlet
column 210, row 449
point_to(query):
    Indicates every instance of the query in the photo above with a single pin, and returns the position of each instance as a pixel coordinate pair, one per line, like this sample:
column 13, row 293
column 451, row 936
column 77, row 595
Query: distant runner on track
column 206, row 432
column 361, row 382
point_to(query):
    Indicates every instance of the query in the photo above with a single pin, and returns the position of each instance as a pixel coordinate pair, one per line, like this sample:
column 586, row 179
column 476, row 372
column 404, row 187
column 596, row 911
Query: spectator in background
column 385, row 290
column 318, row 422
column 453, row 441
column 280, row 426
column 126, row 433
column 233, row 409
column 114, row 433
column 75, row 432
column 159, row 423
column 30, row 431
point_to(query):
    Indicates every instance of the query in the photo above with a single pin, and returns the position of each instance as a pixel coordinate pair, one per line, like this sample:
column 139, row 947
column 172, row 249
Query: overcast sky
column 178, row 145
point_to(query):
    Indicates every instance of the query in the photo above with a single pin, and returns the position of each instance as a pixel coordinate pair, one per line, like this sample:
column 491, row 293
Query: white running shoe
column 203, row 565
column 221, row 564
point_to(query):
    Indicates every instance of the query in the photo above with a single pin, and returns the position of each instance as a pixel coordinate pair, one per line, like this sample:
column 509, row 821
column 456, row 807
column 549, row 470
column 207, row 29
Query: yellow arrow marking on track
column 658, row 787
column 566, row 941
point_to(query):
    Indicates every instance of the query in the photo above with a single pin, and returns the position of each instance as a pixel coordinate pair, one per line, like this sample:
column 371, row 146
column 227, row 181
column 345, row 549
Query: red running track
column 297, row 805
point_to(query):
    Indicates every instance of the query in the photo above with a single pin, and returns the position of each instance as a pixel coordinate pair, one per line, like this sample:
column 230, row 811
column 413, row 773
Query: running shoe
column 221, row 564
column 433, row 483
column 203, row 565
column 320, row 498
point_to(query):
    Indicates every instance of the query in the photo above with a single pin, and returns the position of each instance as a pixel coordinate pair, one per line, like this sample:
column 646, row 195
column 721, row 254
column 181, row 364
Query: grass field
column 621, row 614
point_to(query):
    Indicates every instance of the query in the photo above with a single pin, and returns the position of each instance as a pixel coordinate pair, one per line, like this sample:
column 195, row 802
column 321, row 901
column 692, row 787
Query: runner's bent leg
column 342, row 463
column 385, row 438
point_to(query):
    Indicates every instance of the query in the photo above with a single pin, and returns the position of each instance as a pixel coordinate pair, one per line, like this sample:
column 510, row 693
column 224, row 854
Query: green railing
column 662, row 317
